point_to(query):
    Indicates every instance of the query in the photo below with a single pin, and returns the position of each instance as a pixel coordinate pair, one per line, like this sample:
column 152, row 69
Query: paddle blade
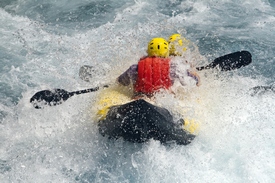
column 50, row 98
column 231, row 61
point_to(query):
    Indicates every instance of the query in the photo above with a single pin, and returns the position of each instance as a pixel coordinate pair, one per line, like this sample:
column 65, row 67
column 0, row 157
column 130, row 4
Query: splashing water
column 43, row 45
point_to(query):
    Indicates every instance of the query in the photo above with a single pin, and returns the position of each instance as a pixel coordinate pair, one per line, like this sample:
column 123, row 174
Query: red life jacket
column 153, row 74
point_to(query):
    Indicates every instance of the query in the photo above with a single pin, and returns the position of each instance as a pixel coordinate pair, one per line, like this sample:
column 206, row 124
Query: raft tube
column 138, row 121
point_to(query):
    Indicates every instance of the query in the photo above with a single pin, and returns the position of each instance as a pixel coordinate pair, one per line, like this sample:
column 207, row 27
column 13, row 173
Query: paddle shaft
column 85, row 91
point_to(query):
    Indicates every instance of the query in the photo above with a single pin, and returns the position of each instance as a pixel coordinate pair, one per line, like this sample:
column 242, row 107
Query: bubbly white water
column 43, row 45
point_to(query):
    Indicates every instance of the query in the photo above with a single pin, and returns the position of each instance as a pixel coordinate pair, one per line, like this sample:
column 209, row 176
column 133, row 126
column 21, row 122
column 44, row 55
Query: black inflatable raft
column 138, row 121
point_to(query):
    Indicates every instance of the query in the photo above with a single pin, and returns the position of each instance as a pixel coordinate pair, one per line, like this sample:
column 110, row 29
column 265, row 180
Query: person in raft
column 157, row 70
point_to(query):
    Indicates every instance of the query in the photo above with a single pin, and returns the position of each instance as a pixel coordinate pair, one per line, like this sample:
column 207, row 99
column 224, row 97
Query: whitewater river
column 44, row 43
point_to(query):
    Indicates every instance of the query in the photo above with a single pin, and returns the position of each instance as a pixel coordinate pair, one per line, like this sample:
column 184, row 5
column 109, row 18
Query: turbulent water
column 44, row 43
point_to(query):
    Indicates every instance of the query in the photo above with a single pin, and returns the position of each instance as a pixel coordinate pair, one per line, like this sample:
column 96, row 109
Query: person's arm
column 194, row 75
column 178, row 71
column 128, row 76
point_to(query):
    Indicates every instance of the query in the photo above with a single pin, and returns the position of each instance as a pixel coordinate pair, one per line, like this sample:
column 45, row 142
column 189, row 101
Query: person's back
column 157, row 70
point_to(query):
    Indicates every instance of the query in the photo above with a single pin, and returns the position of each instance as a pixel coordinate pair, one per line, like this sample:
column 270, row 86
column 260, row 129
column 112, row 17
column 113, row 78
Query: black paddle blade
column 50, row 98
column 231, row 61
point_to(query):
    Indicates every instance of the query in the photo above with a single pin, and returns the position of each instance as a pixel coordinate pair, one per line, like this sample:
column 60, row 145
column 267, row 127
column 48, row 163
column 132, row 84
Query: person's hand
column 196, row 76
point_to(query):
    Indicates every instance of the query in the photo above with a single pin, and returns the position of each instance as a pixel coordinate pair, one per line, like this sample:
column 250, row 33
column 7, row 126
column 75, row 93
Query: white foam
column 61, row 143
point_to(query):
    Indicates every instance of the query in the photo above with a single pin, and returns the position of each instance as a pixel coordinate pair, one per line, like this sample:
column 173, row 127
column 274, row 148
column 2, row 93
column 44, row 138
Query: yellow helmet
column 158, row 47
column 177, row 42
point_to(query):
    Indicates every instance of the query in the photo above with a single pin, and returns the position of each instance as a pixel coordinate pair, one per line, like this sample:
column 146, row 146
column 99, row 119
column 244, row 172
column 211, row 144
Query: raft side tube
column 138, row 121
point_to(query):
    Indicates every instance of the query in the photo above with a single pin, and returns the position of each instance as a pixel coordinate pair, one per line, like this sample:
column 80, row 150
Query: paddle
column 229, row 62
column 57, row 96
